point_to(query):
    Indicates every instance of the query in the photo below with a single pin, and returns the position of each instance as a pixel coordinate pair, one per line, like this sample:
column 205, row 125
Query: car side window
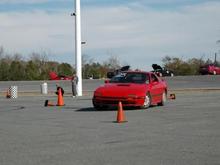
column 154, row 78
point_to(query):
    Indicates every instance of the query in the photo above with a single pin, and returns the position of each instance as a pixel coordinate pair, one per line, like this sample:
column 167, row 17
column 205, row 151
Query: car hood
column 121, row 89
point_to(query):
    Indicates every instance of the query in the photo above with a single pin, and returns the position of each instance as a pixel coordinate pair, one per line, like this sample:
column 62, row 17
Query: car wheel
column 100, row 107
column 171, row 74
column 163, row 100
column 97, row 107
column 214, row 72
column 147, row 102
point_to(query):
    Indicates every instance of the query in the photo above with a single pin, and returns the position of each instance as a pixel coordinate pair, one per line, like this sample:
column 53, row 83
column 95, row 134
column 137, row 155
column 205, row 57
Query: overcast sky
column 138, row 32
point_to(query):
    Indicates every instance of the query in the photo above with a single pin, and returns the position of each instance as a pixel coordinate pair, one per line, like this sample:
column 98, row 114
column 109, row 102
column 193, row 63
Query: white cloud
column 139, row 36
column 150, row 34
column 29, row 1
column 37, row 31
column 21, row 1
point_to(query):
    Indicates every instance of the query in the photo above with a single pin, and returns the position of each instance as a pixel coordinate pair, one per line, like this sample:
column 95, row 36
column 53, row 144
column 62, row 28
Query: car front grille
column 115, row 100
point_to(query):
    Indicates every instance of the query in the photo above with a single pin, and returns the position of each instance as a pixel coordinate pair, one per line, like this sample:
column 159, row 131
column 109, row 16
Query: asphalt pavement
column 175, row 83
column 184, row 131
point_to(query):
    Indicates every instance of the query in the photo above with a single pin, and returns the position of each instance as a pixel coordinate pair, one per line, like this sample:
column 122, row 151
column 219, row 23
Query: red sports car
column 133, row 89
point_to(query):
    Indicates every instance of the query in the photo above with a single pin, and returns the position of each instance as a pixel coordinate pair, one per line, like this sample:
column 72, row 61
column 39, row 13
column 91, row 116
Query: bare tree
column 112, row 63
column 17, row 57
column 1, row 52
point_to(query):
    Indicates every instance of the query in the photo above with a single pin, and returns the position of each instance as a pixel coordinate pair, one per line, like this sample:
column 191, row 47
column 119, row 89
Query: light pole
column 78, row 49
column 218, row 42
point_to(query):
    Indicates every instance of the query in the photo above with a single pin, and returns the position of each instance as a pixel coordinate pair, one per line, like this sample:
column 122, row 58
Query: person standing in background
column 74, row 84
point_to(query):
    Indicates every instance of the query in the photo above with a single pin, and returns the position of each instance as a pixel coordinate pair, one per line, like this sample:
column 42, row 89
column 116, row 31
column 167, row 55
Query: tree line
column 37, row 67
column 14, row 67
column 186, row 67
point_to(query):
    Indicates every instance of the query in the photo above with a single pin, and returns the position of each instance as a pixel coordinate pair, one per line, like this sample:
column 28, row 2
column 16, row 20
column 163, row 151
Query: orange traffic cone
column 172, row 96
column 47, row 103
column 8, row 95
column 120, row 114
column 60, row 101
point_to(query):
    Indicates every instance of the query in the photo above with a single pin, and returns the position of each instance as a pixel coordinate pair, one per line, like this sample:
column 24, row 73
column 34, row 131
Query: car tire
column 164, row 99
column 97, row 107
column 147, row 102
column 100, row 107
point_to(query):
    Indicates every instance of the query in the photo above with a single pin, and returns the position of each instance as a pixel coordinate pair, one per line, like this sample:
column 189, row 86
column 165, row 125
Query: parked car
column 111, row 74
column 133, row 89
column 161, row 72
column 209, row 69
column 55, row 76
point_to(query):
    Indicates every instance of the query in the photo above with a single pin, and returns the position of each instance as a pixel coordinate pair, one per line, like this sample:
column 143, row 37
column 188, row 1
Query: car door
column 217, row 70
column 156, row 89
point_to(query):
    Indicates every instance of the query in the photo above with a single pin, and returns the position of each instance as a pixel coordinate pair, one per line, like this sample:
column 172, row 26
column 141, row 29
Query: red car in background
column 133, row 89
column 210, row 69
column 54, row 76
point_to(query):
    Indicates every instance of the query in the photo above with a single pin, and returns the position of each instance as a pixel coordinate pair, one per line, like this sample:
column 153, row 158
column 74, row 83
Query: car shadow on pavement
column 89, row 109
column 92, row 109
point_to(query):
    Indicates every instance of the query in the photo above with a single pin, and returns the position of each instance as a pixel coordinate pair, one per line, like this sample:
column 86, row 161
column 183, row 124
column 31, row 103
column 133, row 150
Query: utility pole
column 215, row 58
column 78, row 48
column 218, row 42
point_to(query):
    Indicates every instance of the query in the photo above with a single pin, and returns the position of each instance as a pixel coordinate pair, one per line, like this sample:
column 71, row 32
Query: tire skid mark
column 12, row 108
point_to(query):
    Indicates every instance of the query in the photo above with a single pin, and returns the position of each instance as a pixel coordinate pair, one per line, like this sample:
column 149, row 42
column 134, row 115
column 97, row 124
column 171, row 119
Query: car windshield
column 130, row 78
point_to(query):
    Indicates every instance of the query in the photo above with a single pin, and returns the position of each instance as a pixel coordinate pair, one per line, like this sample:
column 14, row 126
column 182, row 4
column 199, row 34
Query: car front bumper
column 113, row 101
